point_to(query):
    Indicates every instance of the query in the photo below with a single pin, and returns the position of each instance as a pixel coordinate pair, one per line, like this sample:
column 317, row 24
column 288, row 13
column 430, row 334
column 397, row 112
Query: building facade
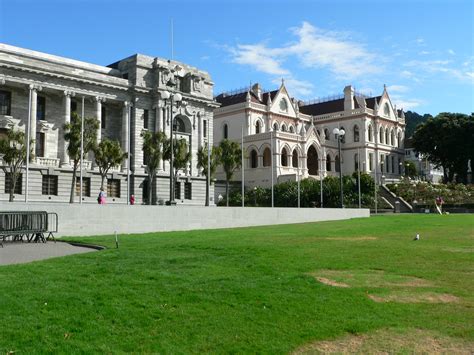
column 126, row 97
column 293, row 140
column 426, row 170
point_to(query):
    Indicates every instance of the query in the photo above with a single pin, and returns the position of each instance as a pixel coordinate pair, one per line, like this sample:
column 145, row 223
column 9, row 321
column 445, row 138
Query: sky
column 423, row 51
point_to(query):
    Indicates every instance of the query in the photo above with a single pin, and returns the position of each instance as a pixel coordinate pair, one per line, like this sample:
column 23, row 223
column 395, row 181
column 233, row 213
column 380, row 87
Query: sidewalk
column 18, row 253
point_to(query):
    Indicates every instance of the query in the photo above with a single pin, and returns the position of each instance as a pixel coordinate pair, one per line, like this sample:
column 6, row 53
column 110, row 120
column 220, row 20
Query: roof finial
column 384, row 87
column 282, row 82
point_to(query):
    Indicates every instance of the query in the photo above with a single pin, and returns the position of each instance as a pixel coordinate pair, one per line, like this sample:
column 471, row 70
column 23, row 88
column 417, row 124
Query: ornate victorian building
column 126, row 97
column 295, row 139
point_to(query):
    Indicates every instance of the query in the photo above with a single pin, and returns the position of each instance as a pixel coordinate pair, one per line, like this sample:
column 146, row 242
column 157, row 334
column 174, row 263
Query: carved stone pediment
column 45, row 126
column 8, row 122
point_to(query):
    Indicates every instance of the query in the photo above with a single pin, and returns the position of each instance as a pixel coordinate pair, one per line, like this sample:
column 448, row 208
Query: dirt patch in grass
column 406, row 297
column 460, row 250
column 369, row 278
column 391, row 341
column 330, row 282
column 351, row 239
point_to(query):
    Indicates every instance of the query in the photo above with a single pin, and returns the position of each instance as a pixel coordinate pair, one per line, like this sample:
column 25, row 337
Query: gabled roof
column 371, row 101
column 228, row 100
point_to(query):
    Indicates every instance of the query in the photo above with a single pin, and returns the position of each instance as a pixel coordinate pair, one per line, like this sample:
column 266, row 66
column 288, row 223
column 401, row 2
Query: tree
column 108, row 154
column 412, row 120
column 72, row 135
column 13, row 149
column 153, row 153
column 438, row 140
column 410, row 169
column 202, row 163
column 181, row 155
column 231, row 160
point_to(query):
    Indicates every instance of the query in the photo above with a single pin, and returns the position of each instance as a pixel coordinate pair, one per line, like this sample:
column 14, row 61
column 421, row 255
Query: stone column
column 249, row 132
column 125, row 132
column 159, row 117
column 67, row 119
column 33, row 121
column 98, row 110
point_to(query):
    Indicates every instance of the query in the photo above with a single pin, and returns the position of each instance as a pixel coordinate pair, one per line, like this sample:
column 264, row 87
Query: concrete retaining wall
column 93, row 219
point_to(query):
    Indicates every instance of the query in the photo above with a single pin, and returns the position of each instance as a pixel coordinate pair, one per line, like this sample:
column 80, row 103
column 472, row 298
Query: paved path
column 18, row 253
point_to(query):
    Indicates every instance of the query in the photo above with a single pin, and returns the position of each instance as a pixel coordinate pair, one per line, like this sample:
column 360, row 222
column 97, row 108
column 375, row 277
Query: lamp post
column 339, row 133
column 173, row 97
column 358, row 176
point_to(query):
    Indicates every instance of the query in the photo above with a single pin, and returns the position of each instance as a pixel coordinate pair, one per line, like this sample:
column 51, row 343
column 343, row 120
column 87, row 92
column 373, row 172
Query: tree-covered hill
column 412, row 120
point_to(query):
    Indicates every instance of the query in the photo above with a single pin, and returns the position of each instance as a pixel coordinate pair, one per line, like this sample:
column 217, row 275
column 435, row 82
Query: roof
column 228, row 100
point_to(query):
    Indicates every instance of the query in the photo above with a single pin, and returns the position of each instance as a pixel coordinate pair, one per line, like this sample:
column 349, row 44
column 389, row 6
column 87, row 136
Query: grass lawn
column 259, row 289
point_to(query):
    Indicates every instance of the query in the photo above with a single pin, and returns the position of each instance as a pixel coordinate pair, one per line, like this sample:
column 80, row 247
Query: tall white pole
column 375, row 180
column 28, row 138
column 272, row 163
column 298, row 173
column 128, row 155
column 243, row 167
column 208, row 162
column 358, row 175
column 82, row 150
column 321, row 179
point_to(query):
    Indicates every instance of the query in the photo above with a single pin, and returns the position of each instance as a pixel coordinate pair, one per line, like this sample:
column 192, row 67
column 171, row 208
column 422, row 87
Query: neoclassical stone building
column 126, row 97
column 298, row 137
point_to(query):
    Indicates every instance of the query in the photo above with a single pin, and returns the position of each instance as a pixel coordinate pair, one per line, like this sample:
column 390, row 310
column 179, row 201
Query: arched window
column 312, row 161
column 387, row 139
column 356, row 133
column 291, row 129
column 226, row 131
column 371, row 133
column 257, row 127
column 267, row 157
column 275, row 126
column 253, row 159
column 386, row 109
column 326, row 134
column 180, row 126
column 284, row 157
column 399, row 140
column 356, row 162
column 336, row 161
column 294, row 159
column 381, row 135
column 283, row 127
column 328, row 163
column 392, row 138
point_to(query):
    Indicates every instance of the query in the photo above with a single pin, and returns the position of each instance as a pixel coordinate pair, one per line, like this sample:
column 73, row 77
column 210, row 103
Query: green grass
column 240, row 290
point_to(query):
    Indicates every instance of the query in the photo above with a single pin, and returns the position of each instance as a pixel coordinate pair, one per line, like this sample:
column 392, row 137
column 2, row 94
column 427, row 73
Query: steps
column 405, row 207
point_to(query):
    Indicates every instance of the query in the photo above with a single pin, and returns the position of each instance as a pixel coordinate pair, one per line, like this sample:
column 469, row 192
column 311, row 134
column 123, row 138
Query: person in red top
column 132, row 199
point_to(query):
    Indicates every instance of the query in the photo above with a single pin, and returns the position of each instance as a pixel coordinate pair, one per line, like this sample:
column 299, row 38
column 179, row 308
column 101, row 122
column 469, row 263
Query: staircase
column 405, row 207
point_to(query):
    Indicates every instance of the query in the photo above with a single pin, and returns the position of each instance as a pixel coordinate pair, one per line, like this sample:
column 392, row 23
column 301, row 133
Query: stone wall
column 91, row 219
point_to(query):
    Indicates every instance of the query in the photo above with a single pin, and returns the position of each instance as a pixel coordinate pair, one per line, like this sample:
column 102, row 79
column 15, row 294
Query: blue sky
column 422, row 50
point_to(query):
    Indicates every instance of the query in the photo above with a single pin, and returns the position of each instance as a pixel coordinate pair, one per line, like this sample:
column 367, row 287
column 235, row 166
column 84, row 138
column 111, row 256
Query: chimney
column 257, row 90
column 348, row 98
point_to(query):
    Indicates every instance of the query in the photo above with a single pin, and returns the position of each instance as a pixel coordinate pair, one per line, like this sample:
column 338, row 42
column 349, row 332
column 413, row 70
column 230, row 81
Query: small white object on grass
column 417, row 237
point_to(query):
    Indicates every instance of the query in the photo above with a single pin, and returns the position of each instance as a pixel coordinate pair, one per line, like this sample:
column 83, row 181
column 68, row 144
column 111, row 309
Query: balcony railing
column 52, row 162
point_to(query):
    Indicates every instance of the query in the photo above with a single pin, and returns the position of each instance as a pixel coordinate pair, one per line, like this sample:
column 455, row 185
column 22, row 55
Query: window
column 204, row 128
column 275, row 126
column 371, row 133
column 343, row 138
column 337, row 162
column 145, row 191
column 40, row 144
column 371, row 161
column 9, row 182
column 328, row 163
column 381, row 135
column 387, row 163
column 356, row 133
column 125, row 76
column 113, row 188
column 177, row 190
column 226, row 131
column 283, row 105
column 188, row 191
column 145, row 119
column 253, row 159
column 399, row 139
column 5, row 103
column 257, row 127
column 326, row 134
column 291, row 129
column 392, row 138
column 386, row 110
column 284, row 157
column 295, row 159
column 73, row 106
column 392, row 158
column 387, row 141
column 40, row 108
column 283, row 128
column 356, row 162
column 49, row 185
column 103, row 120
column 86, row 186
column 267, row 157
column 180, row 125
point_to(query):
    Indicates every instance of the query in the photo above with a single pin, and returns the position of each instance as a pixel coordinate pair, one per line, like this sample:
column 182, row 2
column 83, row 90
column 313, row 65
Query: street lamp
column 339, row 133
column 173, row 97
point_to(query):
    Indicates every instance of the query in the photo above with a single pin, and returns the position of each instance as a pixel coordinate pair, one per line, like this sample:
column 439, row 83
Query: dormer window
column 283, row 105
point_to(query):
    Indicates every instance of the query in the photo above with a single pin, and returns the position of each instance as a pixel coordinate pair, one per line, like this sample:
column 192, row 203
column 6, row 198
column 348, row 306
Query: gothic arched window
column 253, row 159
column 356, row 133
column 226, row 131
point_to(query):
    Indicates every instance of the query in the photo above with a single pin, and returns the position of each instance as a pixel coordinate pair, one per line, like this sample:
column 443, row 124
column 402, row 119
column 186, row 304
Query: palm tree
column 153, row 153
column 202, row 163
column 107, row 155
column 13, row 149
column 181, row 155
column 231, row 160
column 72, row 135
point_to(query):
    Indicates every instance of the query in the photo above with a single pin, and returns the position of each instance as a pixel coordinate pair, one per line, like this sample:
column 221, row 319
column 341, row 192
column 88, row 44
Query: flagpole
column 358, row 175
column 272, row 163
column 28, row 138
column 298, row 172
column 321, row 179
column 82, row 149
column 208, row 163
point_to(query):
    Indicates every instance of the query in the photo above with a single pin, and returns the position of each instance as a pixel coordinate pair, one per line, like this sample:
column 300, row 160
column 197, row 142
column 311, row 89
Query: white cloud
column 424, row 53
column 446, row 67
column 398, row 88
column 298, row 88
column 420, row 41
column 405, row 104
column 450, row 51
column 260, row 57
